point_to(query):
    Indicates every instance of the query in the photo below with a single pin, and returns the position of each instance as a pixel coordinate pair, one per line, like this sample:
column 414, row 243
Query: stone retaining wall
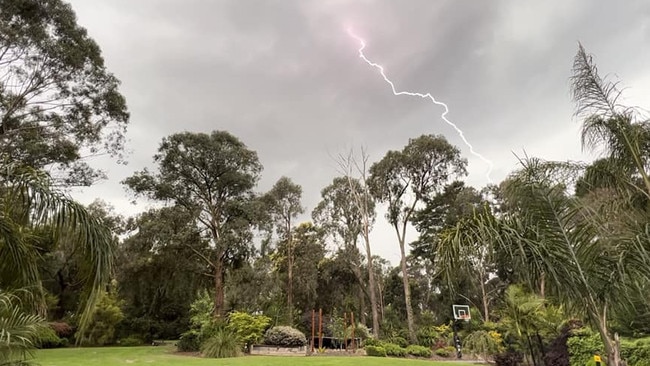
column 279, row 351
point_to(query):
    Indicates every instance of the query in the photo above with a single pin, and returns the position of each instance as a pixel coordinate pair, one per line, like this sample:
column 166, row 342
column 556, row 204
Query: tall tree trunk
column 290, row 283
column 219, row 310
column 407, row 293
column 612, row 346
column 362, row 305
column 371, row 281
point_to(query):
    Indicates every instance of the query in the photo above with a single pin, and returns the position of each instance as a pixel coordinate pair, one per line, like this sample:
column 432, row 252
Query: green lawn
column 110, row 356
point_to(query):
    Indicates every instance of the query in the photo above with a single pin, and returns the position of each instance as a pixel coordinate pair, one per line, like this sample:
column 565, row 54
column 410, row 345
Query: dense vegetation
column 554, row 261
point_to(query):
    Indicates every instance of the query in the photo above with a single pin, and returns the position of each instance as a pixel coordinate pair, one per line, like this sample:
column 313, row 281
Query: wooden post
column 320, row 328
column 354, row 346
column 345, row 331
column 313, row 328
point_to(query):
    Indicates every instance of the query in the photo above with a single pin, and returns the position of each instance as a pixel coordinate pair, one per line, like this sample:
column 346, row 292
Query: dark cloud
column 285, row 77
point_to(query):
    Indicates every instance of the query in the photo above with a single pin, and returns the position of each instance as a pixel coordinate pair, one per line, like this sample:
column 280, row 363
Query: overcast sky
column 285, row 77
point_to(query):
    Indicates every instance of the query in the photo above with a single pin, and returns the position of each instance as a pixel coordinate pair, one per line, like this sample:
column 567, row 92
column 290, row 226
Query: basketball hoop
column 461, row 312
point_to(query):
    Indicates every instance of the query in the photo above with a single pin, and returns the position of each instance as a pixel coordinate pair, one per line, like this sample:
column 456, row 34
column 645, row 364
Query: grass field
column 112, row 356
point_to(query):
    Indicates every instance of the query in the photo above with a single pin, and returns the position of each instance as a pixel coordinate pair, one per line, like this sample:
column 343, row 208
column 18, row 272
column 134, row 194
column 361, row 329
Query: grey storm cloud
column 285, row 77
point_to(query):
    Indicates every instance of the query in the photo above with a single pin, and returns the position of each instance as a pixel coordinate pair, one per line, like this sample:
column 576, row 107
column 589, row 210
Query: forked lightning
column 424, row 96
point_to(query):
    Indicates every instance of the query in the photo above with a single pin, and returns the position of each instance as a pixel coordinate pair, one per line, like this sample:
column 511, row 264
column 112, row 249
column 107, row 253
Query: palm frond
column 592, row 94
column 18, row 330
column 27, row 201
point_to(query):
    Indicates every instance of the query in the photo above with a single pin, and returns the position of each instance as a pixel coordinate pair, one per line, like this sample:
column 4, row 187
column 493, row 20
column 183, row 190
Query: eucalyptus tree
column 356, row 173
column 283, row 205
column 309, row 246
column 403, row 179
column 341, row 219
column 211, row 175
column 57, row 99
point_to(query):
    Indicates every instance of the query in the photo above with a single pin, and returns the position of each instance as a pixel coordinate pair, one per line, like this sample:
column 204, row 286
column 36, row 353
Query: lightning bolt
column 362, row 44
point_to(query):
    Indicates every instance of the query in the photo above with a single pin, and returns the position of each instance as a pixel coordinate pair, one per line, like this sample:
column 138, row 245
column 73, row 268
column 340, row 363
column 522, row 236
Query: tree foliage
column 57, row 99
column 211, row 175
column 403, row 179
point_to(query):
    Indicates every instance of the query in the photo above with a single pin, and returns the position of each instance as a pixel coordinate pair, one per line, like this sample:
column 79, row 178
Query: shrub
column 509, row 358
column 557, row 353
column 372, row 342
column 130, row 341
column 189, row 342
column 582, row 346
column 418, row 351
column 637, row 353
column 107, row 315
column 284, row 336
column 360, row 331
column 486, row 344
column 222, row 344
column 375, row 351
column 47, row 338
column 201, row 310
column 394, row 350
column 249, row 329
column 443, row 352
column 62, row 329
column 400, row 341
column 434, row 336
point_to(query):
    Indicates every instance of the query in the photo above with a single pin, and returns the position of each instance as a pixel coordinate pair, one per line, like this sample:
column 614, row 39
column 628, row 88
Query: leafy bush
column 418, row 351
column 394, row 350
column 189, row 341
column 148, row 328
column 360, row 331
column 372, row 342
column 107, row 315
column 557, row 353
column 130, row 342
column 400, row 341
column 47, row 338
column 636, row 353
column 583, row 345
column 249, row 329
column 434, row 336
column 444, row 352
column 375, row 351
column 509, row 358
column 201, row 310
column 62, row 329
column 486, row 344
column 284, row 336
column 222, row 344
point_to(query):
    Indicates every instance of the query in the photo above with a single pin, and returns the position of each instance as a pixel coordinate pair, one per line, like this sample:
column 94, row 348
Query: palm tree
column 592, row 250
column 28, row 204
column 18, row 329
column 610, row 128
